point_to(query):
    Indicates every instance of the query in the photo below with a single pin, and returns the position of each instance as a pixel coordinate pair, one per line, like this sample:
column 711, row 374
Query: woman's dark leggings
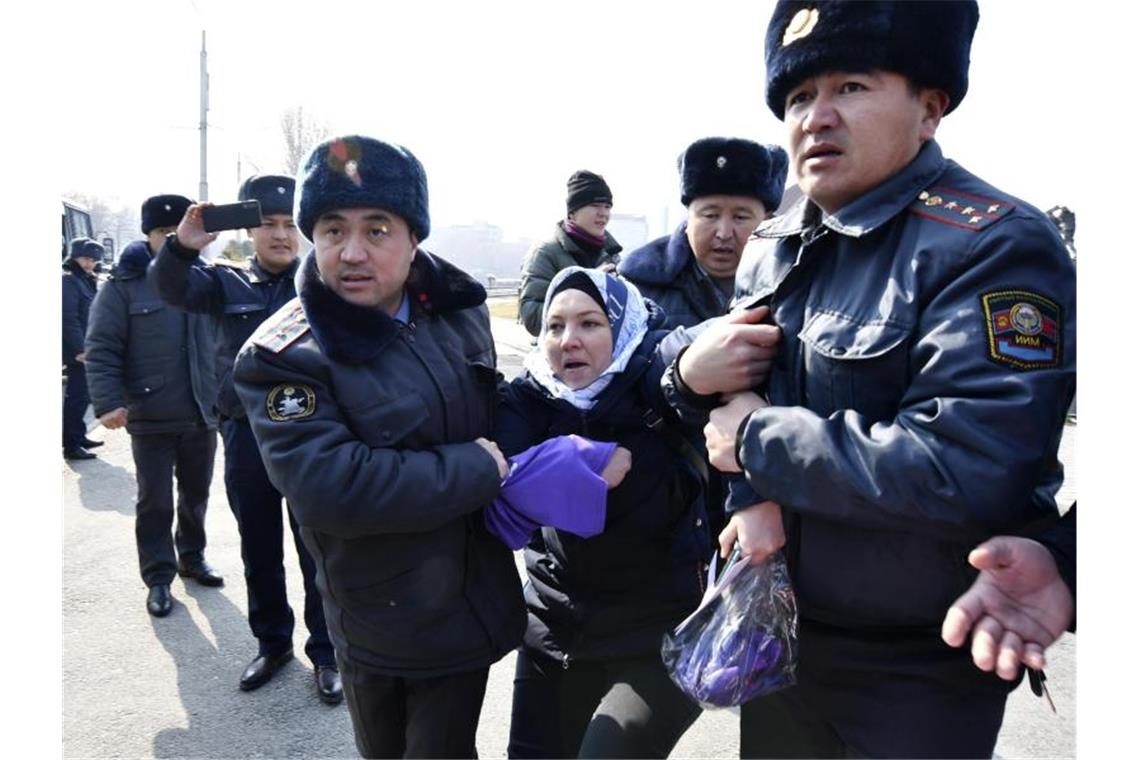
column 611, row 708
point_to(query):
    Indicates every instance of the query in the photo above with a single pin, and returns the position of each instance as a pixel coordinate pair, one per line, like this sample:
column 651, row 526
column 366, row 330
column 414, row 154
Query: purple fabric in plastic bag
column 741, row 642
column 556, row 483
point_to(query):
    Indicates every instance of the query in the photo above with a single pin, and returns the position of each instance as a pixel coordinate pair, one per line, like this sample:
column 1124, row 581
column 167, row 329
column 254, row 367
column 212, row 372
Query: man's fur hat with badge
column 273, row 191
column 362, row 172
column 163, row 211
column 925, row 41
column 733, row 166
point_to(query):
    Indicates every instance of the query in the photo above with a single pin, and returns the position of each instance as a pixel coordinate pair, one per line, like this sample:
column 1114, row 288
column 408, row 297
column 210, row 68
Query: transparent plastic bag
column 741, row 642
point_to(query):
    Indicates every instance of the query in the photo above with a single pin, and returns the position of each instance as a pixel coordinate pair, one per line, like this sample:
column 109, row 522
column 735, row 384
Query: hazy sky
column 501, row 101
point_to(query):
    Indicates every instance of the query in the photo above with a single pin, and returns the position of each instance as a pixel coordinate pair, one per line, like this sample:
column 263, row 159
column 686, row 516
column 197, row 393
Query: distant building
column 631, row 230
column 479, row 249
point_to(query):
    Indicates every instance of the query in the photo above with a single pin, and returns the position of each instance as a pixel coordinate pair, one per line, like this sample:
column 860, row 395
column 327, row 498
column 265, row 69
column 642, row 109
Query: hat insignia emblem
column 280, row 190
column 801, row 25
column 166, row 207
column 721, row 161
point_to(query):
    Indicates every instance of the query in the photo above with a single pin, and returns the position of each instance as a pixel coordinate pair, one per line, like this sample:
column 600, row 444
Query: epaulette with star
column 277, row 334
column 959, row 209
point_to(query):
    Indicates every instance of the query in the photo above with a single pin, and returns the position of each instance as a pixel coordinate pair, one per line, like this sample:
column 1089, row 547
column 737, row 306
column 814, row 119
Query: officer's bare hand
column 81, row 357
column 620, row 462
column 735, row 354
column 1017, row 607
column 759, row 529
column 116, row 418
column 192, row 230
column 492, row 448
column 724, row 421
column 609, row 267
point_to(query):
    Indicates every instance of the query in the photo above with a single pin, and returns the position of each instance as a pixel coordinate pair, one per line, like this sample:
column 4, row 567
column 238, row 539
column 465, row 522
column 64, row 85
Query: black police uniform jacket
column 919, row 396
column 615, row 594
column 665, row 270
column 78, row 291
column 367, row 426
column 239, row 297
column 146, row 356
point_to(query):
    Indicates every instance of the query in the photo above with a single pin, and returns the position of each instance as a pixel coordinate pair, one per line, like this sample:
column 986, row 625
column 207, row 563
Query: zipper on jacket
column 565, row 662
column 408, row 333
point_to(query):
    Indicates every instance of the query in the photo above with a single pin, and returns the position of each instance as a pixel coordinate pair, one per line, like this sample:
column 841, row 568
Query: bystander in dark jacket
column 79, row 286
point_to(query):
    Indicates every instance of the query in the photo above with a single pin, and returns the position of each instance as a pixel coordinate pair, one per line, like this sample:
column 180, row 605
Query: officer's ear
column 934, row 103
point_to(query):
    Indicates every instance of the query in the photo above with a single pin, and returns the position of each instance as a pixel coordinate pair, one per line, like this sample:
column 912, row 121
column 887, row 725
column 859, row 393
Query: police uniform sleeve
column 977, row 429
column 180, row 283
column 336, row 483
column 72, row 332
column 106, row 348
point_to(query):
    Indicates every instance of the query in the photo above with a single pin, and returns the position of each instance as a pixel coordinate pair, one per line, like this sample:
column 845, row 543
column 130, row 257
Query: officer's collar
column 870, row 210
column 258, row 273
column 356, row 334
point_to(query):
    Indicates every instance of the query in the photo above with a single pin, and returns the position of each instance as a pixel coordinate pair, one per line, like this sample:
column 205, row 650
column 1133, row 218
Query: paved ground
column 136, row 686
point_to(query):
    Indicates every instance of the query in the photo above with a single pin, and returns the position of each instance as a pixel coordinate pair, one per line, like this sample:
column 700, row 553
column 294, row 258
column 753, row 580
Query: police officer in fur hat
column 580, row 239
column 916, row 407
column 240, row 297
column 371, row 396
column 151, row 369
column 79, row 286
column 728, row 186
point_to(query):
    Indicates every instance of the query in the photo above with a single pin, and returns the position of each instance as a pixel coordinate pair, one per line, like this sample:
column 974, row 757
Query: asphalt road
column 137, row 686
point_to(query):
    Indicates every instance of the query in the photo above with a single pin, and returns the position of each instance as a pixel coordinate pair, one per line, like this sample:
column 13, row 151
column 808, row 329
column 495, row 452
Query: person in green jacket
column 579, row 240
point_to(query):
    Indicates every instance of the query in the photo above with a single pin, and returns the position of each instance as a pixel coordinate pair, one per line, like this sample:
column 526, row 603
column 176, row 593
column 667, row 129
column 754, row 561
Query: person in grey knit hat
column 580, row 239
column 370, row 396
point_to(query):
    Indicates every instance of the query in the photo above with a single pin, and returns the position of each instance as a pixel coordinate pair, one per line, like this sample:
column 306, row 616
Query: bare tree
column 122, row 223
column 302, row 132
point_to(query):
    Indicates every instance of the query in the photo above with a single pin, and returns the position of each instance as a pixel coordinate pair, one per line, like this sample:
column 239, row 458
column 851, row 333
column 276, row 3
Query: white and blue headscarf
column 628, row 316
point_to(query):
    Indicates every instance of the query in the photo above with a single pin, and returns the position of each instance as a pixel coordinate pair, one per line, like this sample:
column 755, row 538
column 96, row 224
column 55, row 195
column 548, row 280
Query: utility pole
column 203, row 186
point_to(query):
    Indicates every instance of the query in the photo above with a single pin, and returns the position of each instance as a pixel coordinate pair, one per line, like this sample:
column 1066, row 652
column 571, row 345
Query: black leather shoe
column 158, row 601
column 78, row 453
column 201, row 572
column 329, row 688
column 90, row 444
column 258, row 672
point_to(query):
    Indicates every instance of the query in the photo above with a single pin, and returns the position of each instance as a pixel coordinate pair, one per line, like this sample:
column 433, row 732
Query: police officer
column 79, row 287
column 728, row 186
column 150, row 368
column 370, row 396
column 917, row 402
column 240, row 297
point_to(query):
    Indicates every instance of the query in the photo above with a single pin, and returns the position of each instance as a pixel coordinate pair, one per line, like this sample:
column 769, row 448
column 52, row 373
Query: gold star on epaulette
column 955, row 208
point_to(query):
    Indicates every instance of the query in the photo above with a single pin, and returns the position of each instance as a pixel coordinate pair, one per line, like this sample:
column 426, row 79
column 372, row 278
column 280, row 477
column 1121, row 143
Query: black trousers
column 159, row 458
column 877, row 696
column 414, row 717
column 257, row 507
column 616, row 708
column 75, row 402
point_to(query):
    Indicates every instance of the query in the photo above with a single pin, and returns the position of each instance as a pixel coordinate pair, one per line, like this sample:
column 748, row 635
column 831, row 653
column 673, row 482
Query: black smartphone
column 232, row 216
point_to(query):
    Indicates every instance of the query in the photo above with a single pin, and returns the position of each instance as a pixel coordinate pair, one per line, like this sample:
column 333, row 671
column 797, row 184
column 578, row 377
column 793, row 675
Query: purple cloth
column 556, row 483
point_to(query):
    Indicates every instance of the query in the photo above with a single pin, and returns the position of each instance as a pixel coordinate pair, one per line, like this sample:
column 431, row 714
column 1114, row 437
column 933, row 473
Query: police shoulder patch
column 1023, row 328
column 959, row 209
column 290, row 401
column 277, row 334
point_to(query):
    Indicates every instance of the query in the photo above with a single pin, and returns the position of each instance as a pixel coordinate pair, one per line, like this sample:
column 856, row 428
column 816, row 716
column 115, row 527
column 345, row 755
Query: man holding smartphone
column 240, row 297
column 150, row 368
